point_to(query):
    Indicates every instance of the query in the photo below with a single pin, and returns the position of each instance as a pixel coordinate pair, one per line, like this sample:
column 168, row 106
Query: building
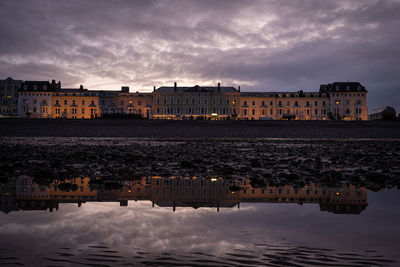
column 385, row 113
column 284, row 106
column 125, row 103
column 335, row 101
column 35, row 98
column 9, row 97
column 195, row 102
column 75, row 104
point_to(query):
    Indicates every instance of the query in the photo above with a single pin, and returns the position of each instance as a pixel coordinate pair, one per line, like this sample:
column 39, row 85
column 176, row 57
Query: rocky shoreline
column 371, row 163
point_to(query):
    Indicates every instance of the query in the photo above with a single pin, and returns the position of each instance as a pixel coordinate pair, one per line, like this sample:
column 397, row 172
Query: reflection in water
column 23, row 194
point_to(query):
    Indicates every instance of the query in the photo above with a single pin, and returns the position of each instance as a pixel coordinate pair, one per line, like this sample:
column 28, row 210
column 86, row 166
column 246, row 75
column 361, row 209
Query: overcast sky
column 259, row 45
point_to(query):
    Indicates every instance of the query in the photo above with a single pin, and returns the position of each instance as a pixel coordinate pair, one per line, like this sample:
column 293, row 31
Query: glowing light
column 214, row 179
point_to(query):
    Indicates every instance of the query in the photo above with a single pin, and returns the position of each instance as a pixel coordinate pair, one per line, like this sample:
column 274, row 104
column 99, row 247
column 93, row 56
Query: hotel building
column 335, row 101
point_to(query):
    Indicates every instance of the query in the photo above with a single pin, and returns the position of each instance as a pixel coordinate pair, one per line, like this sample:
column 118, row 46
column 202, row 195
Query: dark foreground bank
column 198, row 129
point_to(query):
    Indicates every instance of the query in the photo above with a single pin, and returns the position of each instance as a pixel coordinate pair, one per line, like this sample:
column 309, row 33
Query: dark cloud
column 260, row 45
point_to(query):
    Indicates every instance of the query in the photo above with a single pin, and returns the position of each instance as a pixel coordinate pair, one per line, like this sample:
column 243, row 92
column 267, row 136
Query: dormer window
column 44, row 87
column 25, row 87
column 358, row 88
column 337, row 88
column 35, row 87
column 347, row 88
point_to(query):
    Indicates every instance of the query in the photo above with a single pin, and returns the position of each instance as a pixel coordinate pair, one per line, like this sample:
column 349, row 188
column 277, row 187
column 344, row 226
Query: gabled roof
column 382, row 109
column 196, row 89
column 342, row 87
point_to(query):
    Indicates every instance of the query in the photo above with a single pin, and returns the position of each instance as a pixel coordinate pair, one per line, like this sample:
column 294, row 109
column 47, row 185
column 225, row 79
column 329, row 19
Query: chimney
column 154, row 89
column 125, row 89
column 81, row 87
column 174, row 87
column 219, row 87
column 239, row 89
column 59, row 85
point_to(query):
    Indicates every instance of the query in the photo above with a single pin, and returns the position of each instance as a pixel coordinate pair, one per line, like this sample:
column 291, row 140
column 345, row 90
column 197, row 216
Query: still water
column 196, row 222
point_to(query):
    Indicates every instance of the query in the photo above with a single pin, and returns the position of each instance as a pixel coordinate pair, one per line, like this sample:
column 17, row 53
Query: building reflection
column 23, row 194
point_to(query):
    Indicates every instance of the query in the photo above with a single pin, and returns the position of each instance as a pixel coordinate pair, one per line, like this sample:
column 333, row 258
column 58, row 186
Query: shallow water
column 166, row 223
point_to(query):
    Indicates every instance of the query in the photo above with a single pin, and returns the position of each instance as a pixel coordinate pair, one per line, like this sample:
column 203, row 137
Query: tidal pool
column 196, row 222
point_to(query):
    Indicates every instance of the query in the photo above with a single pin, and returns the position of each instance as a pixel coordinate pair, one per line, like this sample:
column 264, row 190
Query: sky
column 257, row 45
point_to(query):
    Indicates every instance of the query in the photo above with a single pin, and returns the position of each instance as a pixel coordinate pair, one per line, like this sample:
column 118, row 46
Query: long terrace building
column 42, row 99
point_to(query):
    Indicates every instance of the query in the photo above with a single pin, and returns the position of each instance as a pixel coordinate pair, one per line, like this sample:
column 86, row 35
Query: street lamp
column 337, row 102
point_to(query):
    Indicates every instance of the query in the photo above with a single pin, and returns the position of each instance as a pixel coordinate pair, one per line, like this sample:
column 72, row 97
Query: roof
column 43, row 86
column 342, row 87
column 275, row 94
column 382, row 109
column 196, row 89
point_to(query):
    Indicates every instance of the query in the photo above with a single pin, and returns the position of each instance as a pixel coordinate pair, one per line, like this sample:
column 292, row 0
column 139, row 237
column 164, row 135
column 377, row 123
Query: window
column 254, row 103
column 65, row 102
column 271, row 103
column 296, row 103
column 308, row 103
column 254, row 112
column 316, row 103
column 245, row 103
column 263, row 103
column 83, row 103
column 323, row 103
column 280, row 103
column 83, row 111
column 316, row 112
column 288, row 103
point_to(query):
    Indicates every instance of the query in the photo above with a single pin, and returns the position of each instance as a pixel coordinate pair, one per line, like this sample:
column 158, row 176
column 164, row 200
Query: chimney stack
column 219, row 87
column 154, row 89
column 239, row 89
column 175, row 87
column 81, row 87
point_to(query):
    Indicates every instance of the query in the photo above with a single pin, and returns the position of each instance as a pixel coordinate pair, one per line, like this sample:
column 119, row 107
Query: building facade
column 75, row 104
column 9, row 97
column 35, row 98
column 42, row 99
column 336, row 101
column 195, row 102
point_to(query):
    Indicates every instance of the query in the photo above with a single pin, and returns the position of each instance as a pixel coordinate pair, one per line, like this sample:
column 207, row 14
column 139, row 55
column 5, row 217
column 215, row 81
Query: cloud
column 260, row 45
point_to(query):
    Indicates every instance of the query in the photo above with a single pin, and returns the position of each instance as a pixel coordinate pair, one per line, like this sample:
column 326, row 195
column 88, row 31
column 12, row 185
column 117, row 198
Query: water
column 192, row 222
